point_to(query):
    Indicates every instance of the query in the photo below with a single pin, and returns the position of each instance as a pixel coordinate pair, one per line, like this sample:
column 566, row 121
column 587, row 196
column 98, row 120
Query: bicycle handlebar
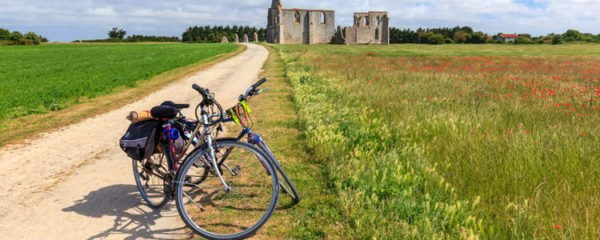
column 252, row 90
column 203, row 91
column 260, row 82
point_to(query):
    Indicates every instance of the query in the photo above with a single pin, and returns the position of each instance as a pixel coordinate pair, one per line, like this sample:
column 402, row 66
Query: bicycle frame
column 209, row 141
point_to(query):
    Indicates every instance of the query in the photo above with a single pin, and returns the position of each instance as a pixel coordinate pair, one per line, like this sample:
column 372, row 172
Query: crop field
column 39, row 79
column 455, row 141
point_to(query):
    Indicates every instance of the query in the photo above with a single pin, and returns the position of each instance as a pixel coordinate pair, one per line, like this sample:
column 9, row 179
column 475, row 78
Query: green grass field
column 39, row 79
column 455, row 141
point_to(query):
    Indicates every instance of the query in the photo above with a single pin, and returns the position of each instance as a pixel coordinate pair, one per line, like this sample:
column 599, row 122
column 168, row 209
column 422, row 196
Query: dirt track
column 75, row 183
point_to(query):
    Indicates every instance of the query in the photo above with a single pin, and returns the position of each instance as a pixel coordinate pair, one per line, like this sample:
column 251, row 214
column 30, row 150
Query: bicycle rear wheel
column 214, row 213
column 150, row 177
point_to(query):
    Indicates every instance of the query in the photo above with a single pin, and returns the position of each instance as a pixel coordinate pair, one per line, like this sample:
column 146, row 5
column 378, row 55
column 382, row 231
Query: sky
column 63, row 20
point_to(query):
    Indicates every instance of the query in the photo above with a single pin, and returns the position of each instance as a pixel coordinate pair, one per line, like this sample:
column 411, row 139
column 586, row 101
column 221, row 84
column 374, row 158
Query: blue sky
column 67, row 20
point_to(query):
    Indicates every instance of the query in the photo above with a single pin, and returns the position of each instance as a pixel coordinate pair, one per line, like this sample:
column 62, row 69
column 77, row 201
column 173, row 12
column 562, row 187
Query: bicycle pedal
column 236, row 170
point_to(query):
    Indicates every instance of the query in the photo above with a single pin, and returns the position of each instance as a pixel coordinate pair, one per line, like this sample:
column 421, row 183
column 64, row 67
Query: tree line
column 120, row 35
column 208, row 34
column 16, row 38
column 466, row 34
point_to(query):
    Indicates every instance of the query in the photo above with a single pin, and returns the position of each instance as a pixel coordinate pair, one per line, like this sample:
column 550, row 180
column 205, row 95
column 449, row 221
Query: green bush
column 17, row 38
column 477, row 37
column 432, row 38
column 523, row 40
column 32, row 38
column 461, row 37
column 4, row 34
column 557, row 39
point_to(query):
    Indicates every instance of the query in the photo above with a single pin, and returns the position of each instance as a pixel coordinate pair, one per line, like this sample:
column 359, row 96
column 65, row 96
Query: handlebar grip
column 198, row 88
column 260, row 82
column 203, row 91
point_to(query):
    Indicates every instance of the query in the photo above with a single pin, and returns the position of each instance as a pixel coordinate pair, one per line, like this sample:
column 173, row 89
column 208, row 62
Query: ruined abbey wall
column 301, row 26
column 308, row 26
column 369, row 28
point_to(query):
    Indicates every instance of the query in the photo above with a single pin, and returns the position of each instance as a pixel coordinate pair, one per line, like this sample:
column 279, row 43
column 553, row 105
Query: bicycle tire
column 213, row 198
column 287, row 185
column 161, row 198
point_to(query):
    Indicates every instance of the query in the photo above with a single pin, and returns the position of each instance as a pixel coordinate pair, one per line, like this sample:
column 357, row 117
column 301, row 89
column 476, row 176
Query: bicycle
column 241, row 191
column 224, row 188
column 240, row 115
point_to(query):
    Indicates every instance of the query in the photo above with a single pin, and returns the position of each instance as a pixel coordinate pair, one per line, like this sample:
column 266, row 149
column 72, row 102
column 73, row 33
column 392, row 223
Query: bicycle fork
column 213, row 156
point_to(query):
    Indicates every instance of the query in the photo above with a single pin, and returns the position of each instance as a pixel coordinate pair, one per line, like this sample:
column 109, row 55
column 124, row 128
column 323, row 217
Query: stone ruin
column 236, row 38
column 224, row 40
column 255, row 37
column 313, row 26
column 246, row 38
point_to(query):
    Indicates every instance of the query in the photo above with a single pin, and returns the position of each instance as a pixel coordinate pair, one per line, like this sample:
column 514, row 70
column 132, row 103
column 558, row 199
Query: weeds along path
column 317, row 215
column 75, row 183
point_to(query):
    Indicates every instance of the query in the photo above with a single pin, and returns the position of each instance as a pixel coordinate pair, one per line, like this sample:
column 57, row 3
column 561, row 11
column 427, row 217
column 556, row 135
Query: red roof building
column 507, row 37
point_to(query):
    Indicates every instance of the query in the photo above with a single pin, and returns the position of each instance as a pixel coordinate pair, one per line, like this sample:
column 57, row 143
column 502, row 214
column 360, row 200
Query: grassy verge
column 317, row 216
column 26, row 127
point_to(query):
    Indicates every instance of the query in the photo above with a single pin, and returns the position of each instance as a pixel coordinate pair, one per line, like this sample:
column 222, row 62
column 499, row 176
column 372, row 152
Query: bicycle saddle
column 164, row 112
column 174, row 105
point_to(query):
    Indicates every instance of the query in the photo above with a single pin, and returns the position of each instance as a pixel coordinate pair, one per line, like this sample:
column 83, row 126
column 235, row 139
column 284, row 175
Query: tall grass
column 386, row 190
column 450, row 146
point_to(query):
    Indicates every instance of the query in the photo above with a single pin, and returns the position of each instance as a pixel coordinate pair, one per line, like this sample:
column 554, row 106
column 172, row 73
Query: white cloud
column 92, row 18
column 102, row 12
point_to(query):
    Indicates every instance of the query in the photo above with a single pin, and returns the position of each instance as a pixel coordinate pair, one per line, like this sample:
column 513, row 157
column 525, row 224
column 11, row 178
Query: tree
column 557, row 39
column 117, row 34
column 523, row 40
column 460, row 37
column 203, row 34
column 477, row 37
column 572, row 35
column 4, row 34
column 16, row 36
column 33, row 38
column 432, row 38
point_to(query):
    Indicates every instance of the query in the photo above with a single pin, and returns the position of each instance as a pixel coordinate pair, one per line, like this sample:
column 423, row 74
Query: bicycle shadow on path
column 132, row 219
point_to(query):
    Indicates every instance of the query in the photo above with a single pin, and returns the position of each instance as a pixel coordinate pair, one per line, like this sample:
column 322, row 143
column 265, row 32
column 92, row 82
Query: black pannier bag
column 140, row 139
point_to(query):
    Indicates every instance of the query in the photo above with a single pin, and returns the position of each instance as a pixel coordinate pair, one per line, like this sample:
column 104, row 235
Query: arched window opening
column 297, row 17
column 358, row 21
column 323, row 18
column 377, row 34
column 367, row 22
column 378, row 20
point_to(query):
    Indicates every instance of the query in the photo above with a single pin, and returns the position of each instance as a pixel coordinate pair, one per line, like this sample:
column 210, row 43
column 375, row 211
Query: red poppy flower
column 557, row 226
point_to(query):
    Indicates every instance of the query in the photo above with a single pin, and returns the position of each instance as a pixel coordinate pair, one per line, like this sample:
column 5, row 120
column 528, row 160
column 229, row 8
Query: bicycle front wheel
column 215, row 213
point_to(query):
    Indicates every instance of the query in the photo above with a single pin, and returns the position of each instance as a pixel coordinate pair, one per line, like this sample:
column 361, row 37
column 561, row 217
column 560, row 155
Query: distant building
column 508, row 38
column 369, row 28
column 314, row 26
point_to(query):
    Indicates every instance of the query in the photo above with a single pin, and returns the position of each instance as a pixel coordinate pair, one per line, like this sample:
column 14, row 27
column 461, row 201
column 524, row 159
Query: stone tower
column 273, row 22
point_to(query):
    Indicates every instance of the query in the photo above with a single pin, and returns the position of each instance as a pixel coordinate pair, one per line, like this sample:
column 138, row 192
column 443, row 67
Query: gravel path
column 75, row 183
